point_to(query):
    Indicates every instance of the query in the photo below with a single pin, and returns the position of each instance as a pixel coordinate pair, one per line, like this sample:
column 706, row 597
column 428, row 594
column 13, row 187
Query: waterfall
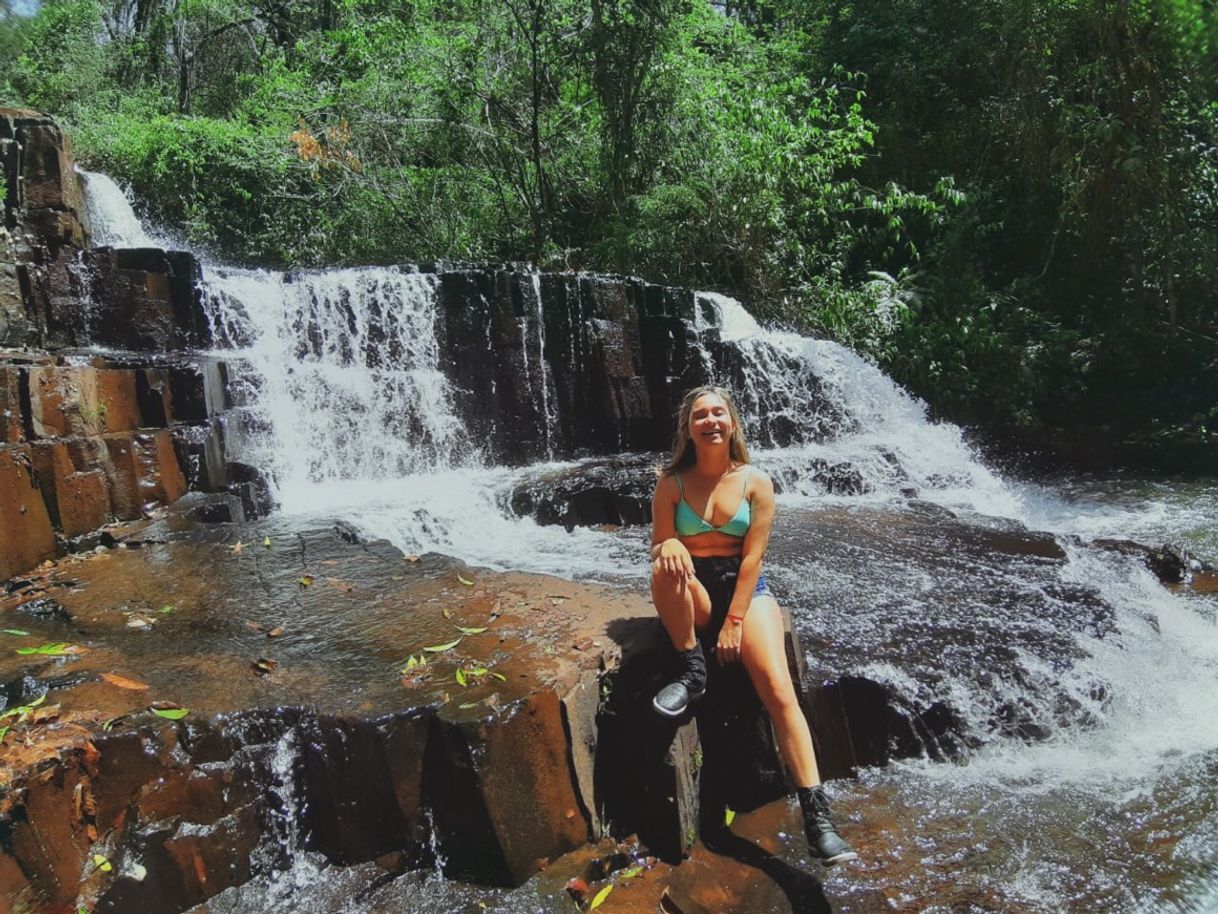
column 345, row 397
column 343, row 377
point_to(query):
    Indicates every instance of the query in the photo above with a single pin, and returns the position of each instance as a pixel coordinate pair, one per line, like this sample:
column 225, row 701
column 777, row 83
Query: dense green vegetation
column 1011, row 205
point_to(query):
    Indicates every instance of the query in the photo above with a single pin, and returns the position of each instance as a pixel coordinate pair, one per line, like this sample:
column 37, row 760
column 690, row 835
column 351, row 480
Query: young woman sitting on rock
column 711, row 516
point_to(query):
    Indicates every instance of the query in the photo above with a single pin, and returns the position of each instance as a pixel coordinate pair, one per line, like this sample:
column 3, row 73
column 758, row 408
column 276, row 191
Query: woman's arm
column 667, row 552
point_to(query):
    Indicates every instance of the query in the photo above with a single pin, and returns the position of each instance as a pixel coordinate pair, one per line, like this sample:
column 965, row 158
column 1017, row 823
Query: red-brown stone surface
column 82, row 401
column 76, row 499
column 11, row 423
column 26, row 535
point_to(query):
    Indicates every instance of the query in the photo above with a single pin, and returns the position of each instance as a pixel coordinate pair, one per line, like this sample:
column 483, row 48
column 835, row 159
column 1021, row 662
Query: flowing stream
column 1113, row 806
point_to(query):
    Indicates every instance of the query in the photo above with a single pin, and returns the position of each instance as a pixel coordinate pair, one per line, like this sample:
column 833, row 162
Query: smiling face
column 710, row 422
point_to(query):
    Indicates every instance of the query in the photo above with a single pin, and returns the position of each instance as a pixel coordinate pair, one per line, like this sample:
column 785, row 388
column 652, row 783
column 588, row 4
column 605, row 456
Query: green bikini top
column 689, row 523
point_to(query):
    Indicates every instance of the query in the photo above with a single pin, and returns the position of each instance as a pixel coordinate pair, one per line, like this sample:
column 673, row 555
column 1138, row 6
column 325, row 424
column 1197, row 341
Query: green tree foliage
column 1014, row 209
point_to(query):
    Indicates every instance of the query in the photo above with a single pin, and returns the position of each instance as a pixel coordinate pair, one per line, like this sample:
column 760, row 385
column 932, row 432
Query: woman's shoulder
column 757, row 479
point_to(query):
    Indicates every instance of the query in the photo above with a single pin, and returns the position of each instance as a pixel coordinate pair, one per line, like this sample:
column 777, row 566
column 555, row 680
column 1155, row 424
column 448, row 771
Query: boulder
column 614, row 491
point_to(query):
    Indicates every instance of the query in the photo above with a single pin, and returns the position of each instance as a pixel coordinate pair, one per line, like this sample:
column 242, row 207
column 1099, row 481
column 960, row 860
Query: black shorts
column 718, row 575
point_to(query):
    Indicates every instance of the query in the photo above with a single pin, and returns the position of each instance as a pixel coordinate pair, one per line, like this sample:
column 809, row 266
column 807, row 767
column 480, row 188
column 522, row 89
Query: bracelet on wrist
column 737, row 619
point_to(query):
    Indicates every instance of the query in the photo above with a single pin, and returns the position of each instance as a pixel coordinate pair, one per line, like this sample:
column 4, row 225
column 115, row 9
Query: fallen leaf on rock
column 729, row 816
column 15, row 631
column 466, row 581
column 500, row 677
column 470, row 631
column 169, row 713
column 447, row 613
column 166, row 609
column 48, row 713
column 460, row 676
column 255, row 626
column 275, row 632
column 123, row 682
column 3, row 733
column 468, row 704
column 139, row 622
column 236, row 547
column 437, row 648
column 266, row 541
column 306, row 580
column 410, row 558
column 582, row 644
column 264, row 665
column 600, row 897
column 112, row 723
column 630, row 872
column 50, row 649
column 102, row 863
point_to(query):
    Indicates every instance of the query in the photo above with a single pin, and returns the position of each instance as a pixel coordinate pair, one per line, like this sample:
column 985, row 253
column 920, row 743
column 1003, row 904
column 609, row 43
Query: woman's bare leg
column 763, row 651
column 683, row 605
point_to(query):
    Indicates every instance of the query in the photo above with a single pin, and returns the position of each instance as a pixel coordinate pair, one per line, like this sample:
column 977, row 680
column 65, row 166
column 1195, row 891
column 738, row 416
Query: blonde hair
column 683, row 454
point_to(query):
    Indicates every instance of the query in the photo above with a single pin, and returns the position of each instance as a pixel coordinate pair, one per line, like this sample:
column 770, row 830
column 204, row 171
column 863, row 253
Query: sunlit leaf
column 410, row 664
column 729, row 816
column 306, row 580
column 112, row 722
column 437, row 648
column 171, row 713
column 468, row 704
column 477, row 671
column 264, row 665
column 102, row 863
column 50, row 649
column 630, row 873
column 500, row 677
column 15, row 631
column 266, row 541
column 166, row 609
column 466, row 581
column 124, row 683
column 470, row 631
column 3, row 733
column 447, row 613
column 275, row 632
column 600, row 897
column 460, row 676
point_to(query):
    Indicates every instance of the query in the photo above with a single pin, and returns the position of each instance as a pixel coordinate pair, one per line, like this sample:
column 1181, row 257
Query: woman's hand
column 673, row 559
column 730, row 638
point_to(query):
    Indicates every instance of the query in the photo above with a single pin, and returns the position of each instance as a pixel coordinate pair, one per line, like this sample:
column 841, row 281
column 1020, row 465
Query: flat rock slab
column 288, row 652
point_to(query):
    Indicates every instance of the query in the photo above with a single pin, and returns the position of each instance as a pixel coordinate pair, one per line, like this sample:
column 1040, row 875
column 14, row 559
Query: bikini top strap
column 748, row 469
column 680, row 487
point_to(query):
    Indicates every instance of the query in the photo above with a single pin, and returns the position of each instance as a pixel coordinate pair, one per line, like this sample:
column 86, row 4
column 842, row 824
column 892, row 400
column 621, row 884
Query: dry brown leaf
column 255, row 626
column 276, row 631
column 411, row 558
column 124, row 683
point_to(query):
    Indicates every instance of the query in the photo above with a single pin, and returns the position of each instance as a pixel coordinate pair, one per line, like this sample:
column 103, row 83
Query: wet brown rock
column 26, row 535
column 82, row 401
column 11, row 415
column 142, row 469
column 77, row 500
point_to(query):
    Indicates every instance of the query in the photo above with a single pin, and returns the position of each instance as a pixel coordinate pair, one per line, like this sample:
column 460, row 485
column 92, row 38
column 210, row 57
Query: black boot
column 823, row 840
column 690, row 683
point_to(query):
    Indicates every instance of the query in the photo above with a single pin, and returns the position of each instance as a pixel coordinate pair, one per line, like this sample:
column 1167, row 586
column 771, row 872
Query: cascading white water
column 112, row 221
column 344, row 382
column 871, row 424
